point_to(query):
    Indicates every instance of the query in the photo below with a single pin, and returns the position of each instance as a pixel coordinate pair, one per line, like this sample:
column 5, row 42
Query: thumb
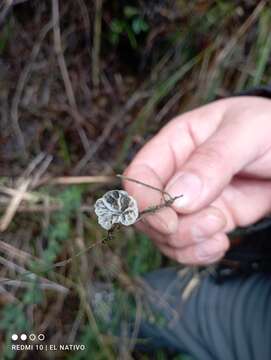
column 213, row 164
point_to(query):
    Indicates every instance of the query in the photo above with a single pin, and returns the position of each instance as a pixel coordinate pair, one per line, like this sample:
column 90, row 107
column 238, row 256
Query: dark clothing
column 263, row 91
column 229, row 321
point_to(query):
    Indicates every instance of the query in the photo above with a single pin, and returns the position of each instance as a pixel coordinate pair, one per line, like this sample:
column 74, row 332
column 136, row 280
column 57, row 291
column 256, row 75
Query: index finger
column 164, row 154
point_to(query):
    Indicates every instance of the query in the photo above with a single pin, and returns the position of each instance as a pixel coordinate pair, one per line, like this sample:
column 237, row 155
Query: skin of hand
column 219, row 158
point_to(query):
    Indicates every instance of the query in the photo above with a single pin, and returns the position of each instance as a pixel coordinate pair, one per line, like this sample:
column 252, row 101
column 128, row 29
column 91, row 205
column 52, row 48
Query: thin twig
column 14, row 252
column 43, row 285
column 80, row 253
column 42, row 169
column 23, row 272
column 142, row 183
column 13, row 192
column 85, row 15
column 60, row 55
column 37, row 208
column 31, row 167
column 72, row 180
column 97, row 43
column 65, row 75
column 40, row 164
column 154, row 208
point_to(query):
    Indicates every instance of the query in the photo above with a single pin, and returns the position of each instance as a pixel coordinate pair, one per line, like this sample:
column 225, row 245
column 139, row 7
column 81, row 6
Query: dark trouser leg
column 222, row 322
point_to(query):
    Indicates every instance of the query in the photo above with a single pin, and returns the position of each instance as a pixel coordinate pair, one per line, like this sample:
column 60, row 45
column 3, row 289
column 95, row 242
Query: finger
column 201, row 254
column 192, row 229
column 171, row 147
column 187, row 255
column 167, row 151
column 164, row 220
column 241, row 203
column 213, row 164
column 196, row 228
column 211, row 250
column 244, row 202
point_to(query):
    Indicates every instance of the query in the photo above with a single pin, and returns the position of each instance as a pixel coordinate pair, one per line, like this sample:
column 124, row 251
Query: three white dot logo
column 31, row 337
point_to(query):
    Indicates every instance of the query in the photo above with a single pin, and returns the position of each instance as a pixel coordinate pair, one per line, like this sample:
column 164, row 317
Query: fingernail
column 189, row 186
column 209, row 225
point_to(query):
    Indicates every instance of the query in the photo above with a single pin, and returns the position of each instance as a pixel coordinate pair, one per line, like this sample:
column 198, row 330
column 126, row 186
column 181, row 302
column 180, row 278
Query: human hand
column 219, row 157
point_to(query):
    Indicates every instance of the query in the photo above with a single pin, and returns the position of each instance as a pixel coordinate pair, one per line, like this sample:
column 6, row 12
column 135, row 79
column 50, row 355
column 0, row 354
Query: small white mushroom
column 116, row 206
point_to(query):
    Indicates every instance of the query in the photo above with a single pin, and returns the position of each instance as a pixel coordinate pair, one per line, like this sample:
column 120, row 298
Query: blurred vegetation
column 121, row 71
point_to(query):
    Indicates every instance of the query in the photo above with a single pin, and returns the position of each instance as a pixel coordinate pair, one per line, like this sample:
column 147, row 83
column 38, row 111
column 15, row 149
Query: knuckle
column 209, row 155
column 213, row 158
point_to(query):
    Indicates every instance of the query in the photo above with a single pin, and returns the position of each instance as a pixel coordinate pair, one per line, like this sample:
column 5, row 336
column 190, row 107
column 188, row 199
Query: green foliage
column 60, row 229
column 139, row 251
column 130, row 24
column 13, row 319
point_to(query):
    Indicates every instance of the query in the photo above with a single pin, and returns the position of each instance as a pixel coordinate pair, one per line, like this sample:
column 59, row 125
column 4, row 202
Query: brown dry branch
column 85, row 16
column 13, row 192
column 14, row 252
column 41, row 170
column 32, row 166
column 36, row 208
column 65, row 76
column 28, row 275
column 73, row 180
column 97, row 43
column 43, row 283
column 30, row 176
